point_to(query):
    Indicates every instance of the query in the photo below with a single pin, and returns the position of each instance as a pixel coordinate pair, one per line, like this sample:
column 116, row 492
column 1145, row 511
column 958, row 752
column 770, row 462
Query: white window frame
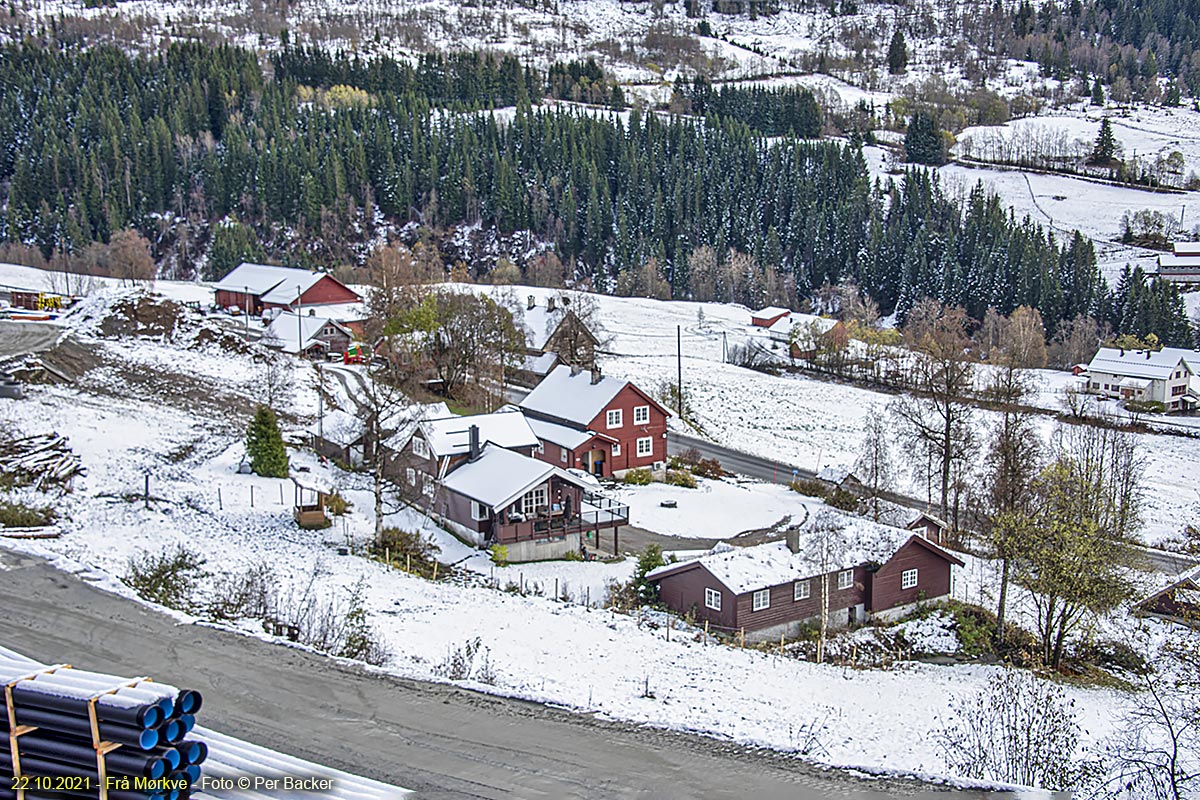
column 427, row 488
column 846, row 579
column 419, row 447
column 760, row 600
column 541, row 446
column 479, row 512
column 565, row 456
column 712, row 599
column 411, row 474
column 535, row 497
column 616, row 449
column 801, row 590
column 641, row 415
column 908, row 578
column 648, row 450
column 614, row 418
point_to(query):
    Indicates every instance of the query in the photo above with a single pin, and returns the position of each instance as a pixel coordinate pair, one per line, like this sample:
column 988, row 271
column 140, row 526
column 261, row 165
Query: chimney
column 793, row 539
column 532, row 303
column 596, row 375
column 1147, row 355
column 312, row 312
column 550, row 303
column 566, row 300
column 473, row 439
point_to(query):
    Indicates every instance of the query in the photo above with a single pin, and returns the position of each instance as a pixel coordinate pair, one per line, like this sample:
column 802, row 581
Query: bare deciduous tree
column 875, row 466
column 1018, row 729
column 827, row 546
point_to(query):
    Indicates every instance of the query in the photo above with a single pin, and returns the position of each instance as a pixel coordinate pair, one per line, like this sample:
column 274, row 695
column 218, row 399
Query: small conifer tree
column 264, row 445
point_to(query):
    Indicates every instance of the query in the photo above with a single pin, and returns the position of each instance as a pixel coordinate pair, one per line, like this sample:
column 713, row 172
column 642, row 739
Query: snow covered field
column 539, row 648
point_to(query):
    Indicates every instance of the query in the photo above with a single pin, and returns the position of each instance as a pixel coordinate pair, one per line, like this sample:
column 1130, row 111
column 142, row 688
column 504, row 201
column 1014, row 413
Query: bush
column 842, row 499
column 245, row 594
column 330, row 625
column 407, row 548
column 469, row 661
column 337, row 505
column 19, row 515
column 1145, row 407
column 638, row 477
column 677, row 477
column 1112, row 656
column 573, row 555
column 809, row 488
column 499, row 555
column 689, row 456
column 708, row 468
column 168, row 578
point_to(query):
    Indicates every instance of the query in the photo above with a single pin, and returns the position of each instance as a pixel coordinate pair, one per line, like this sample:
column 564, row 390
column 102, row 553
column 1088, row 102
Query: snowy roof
column 450, row 436
column 745, row 569
column 499, row 477
column 541, row 323
column 1135, row 383
column 834, row 474
column 344, row 312
column 768, row 312
column 1187, row 248
column 339, row 427
column 1142, row 363
column 540, row 365
column 562, row 435
column 261, row 279
column 573, row 398
column 404, row 421
column 294, row 333
column 1179, row 261
column 782, row 329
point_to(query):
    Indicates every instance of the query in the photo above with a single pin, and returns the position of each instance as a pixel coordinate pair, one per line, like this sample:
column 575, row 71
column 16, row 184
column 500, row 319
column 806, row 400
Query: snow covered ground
column 539, row 647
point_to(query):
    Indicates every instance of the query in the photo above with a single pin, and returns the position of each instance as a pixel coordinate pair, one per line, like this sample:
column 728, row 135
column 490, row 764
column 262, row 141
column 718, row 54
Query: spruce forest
column 317, row 160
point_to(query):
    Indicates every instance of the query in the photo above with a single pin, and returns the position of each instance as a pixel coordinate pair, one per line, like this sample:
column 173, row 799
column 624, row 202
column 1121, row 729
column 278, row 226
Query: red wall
column 327, row 291
column 226, row 298
column 628, row 434
column 766, row 322
column 933, row 577
column 684, row 591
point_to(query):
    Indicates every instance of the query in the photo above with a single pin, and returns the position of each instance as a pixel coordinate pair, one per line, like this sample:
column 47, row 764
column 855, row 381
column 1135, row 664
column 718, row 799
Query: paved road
column 441, row 741
column 17, row 338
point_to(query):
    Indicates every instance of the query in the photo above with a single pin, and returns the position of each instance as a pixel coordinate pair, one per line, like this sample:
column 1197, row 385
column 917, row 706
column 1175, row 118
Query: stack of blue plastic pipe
column 150, row 721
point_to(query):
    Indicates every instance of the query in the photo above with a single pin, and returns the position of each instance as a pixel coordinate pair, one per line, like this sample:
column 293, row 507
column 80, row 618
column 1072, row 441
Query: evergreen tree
column 1105, row 150
column 1097, row 93
column 923, row 143
column 897, row 55
column 264, row 445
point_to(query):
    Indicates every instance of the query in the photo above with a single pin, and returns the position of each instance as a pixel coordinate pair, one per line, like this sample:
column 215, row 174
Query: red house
column 258, row 286
column 595, row 423
column 772, row 589
column 766, row 317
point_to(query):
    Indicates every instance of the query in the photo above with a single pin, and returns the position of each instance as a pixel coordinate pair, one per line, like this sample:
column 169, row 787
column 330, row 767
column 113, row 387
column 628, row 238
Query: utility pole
column 299, row 323
column 246, row 309
column 724, row 347
column 679, row 370
column 320, row 403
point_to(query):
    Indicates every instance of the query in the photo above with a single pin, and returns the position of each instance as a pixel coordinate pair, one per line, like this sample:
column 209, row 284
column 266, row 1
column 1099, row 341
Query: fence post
column 281, row 494
column 387, row 554
column 252, row 495
column 435, row 566
column 781, row 644
column 742, row 637
column 408, row 562
column 220, row 505
column 670, row 624
column 146, row 496
column 706, row 632
column 556, row 588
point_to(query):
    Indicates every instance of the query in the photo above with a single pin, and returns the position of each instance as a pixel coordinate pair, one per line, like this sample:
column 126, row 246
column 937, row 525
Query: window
column 613, row 418
column 616, row 450
column 801, row 590
column 908, row 579
column 845, row 579
column 641, row 415
column 761, row 600
column 565, row 455
column 420, row 448
column 1178, row 390
column 535, row 499
column 428, row 487
column 412, row 476
column 645, row 446
column 712, row 599
column 478, row 512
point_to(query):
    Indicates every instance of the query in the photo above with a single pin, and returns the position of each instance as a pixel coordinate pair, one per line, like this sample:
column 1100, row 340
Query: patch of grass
column 20, row 515
column 841, row 499
column 337, row 505
column 677, row 477
column 809, row 488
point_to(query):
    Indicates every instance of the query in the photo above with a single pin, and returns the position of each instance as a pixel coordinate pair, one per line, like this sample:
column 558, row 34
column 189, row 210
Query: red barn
column 260, row 286
column 766, row 317
column 596, row 423
column 772, row 589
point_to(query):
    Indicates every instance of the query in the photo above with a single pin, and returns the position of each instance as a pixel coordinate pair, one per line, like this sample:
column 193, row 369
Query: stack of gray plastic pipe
column 150, row 721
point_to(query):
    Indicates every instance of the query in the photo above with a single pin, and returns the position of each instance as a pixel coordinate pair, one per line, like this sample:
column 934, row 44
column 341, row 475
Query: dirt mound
column 143, row 315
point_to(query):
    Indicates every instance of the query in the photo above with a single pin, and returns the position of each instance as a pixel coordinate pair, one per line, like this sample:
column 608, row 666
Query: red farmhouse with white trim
column 266, row 286
column 595, row 423
column 766, row 317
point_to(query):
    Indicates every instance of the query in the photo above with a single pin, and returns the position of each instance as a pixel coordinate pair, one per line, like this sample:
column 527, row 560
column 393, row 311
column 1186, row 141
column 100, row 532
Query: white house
column 1182, row 265
column 1168, row 376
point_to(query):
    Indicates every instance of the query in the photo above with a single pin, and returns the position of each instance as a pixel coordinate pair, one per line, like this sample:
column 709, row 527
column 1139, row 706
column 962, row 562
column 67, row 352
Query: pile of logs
column 40, row 461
